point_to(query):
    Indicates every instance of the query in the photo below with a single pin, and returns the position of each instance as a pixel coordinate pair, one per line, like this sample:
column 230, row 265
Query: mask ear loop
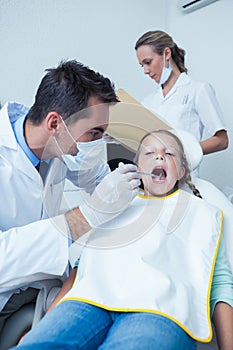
column 68, row 131
column 62, row 153
column 164, row 59
column 57, row 144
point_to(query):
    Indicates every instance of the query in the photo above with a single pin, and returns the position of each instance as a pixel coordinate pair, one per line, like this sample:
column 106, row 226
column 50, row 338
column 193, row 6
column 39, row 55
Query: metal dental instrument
column 143, row 173
column 149, row 174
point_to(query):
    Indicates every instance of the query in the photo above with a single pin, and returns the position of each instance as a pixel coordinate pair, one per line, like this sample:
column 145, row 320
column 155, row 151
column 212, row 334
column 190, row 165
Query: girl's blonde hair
column 187, row 177
column 158, row 41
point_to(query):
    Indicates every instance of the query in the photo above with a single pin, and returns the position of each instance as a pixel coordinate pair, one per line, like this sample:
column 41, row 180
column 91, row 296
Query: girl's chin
column 158, row 191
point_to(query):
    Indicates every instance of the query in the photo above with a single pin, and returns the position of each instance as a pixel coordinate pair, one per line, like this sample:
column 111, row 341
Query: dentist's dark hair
column 66, row 90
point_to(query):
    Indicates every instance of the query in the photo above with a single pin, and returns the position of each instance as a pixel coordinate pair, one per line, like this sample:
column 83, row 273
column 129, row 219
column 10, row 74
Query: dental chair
column 20, row 322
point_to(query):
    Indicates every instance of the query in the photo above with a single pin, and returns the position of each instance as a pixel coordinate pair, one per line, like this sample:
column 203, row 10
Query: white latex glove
column 112, row 196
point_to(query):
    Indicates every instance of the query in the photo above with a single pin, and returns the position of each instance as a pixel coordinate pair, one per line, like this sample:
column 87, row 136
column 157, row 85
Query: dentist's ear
column 53, row 122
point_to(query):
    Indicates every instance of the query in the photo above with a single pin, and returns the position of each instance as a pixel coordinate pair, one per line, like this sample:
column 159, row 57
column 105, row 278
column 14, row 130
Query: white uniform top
column 189, row 105
column 158, row 256
column 33, row 236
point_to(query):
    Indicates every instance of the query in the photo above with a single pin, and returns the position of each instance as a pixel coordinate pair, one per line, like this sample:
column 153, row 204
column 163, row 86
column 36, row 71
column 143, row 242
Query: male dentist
column 62, row 131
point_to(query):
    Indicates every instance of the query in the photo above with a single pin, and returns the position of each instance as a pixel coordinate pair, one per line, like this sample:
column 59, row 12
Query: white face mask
column 166, row 72
column 89, row 162
column 90, row 155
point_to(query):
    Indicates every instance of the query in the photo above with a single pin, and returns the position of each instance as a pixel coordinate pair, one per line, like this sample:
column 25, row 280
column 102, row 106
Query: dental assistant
column 184, row 103
column 63, row 128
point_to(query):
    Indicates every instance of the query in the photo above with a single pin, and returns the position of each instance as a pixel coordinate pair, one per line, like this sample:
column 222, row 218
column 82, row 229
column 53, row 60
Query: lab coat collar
column 16, row 111
column 9, row 113
column 181, row 81
column 18, row 128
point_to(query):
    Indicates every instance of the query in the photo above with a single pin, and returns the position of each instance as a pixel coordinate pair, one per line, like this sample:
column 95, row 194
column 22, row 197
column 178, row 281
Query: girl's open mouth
column 159, row 174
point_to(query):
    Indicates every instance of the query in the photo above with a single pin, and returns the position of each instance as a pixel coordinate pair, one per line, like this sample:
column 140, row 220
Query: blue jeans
column 76, row 325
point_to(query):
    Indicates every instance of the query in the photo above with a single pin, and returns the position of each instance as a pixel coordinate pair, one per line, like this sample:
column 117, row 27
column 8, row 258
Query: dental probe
column 149, row 174
column 143, row 173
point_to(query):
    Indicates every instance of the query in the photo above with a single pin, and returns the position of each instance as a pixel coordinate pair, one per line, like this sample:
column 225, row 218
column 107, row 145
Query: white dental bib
column 158, row 256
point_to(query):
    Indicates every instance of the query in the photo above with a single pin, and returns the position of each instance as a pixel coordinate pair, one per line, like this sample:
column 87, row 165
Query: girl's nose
column 159, row 157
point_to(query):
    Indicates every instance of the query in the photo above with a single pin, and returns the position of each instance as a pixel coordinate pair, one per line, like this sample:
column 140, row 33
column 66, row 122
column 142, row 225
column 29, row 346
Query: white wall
column 37, row 34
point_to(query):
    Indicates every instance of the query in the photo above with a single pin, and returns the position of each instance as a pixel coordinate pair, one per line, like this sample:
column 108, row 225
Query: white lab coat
column 28, row 246
column 33, row 234
column 190, row 105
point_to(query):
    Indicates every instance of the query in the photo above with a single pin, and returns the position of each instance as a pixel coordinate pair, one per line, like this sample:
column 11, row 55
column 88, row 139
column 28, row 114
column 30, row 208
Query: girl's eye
column 170, row 154
column 148, row 153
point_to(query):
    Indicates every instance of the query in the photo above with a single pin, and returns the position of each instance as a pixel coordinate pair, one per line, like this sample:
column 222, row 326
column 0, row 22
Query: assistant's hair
column 187, row 177
column 66, row 89
column 159, row 40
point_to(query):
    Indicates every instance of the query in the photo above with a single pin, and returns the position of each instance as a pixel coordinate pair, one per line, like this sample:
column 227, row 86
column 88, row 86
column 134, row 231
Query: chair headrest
column 192, row 148
column 129, row 121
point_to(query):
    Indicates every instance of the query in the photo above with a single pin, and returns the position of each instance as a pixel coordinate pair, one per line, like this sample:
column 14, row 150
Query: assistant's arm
column 215, row 143
column 210, row 114
column 222, row 300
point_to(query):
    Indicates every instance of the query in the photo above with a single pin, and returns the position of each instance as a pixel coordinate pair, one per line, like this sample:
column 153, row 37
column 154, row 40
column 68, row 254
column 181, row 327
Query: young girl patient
column 144, row 279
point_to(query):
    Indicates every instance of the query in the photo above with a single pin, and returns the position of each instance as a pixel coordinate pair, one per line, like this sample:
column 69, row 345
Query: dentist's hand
column 112, row 196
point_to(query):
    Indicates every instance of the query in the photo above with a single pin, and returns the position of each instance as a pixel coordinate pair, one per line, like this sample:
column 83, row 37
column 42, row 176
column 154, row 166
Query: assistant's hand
column 112, row 195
